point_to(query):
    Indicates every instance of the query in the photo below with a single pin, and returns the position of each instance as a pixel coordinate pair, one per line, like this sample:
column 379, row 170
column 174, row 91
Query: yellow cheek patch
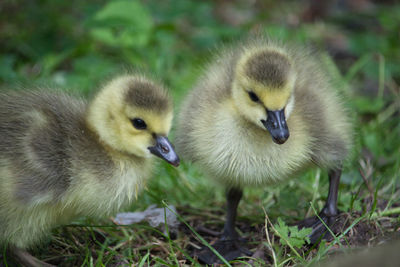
column 159, row 123
column 272, row 98
column 275, row 99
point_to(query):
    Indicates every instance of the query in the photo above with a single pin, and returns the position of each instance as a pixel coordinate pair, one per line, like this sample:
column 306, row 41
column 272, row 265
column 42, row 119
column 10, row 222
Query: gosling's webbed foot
column 230, row 245
column 319, row 230
column 329, row 214
column 229, row 249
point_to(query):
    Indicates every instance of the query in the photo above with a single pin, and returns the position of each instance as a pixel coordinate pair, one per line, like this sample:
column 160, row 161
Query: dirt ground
column 366, row 233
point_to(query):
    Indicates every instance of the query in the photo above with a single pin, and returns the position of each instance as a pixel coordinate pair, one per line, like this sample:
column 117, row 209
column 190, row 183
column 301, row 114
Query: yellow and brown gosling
column 261, row 113
column 62, row 157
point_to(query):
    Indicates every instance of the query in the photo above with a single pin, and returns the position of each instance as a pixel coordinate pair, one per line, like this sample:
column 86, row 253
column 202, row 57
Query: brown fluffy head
column 145, row 94
column 117, row 108
column 269, row 68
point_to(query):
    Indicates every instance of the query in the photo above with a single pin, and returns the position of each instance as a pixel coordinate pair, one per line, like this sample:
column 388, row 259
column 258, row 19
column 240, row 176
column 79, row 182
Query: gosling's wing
column 322, row 110
column 35, row 133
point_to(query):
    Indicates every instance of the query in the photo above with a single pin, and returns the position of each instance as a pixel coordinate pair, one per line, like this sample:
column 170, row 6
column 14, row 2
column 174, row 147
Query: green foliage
column 291, row 235
column 368, row 105
column 126, row 24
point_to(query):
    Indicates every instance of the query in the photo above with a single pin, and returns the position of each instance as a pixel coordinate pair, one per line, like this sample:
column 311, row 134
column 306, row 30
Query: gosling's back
column 53, row 167
column 40, row 132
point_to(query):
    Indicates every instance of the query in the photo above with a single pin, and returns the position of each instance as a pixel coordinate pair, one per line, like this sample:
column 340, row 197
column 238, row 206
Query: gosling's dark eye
column 139, row 124
column 253, row 96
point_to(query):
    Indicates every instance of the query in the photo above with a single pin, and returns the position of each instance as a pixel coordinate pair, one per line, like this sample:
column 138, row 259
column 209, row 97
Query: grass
column 75, row 49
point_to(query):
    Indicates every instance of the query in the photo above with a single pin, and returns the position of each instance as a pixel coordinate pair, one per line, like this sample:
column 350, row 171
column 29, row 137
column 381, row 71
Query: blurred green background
column 78, row 45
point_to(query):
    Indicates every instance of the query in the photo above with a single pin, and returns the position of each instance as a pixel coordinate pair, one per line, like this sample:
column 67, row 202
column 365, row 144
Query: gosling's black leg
column 328, row 213
column 330, row 208
column 229, row 245
column 233, row 196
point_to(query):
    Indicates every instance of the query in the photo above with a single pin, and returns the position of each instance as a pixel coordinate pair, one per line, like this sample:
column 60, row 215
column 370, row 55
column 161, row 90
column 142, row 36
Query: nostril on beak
column 164, row 149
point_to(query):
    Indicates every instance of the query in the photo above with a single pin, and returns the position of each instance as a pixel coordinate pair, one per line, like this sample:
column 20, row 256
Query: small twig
column 194, row 245
column 371, row 192
column 366, row 166
column 208, row 231
column 268, row 239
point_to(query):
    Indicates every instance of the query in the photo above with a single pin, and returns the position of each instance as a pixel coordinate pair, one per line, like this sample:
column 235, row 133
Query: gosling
column 61, row 157
column 261, row 113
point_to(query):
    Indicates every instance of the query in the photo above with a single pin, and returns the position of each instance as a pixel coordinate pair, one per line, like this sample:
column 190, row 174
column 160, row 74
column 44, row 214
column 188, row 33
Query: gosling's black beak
column 165, row 150
column 276, row 125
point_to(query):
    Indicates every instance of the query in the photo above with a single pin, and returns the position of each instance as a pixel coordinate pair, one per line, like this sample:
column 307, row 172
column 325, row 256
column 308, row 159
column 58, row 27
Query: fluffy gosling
column 261, row 113
column 61, row 157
